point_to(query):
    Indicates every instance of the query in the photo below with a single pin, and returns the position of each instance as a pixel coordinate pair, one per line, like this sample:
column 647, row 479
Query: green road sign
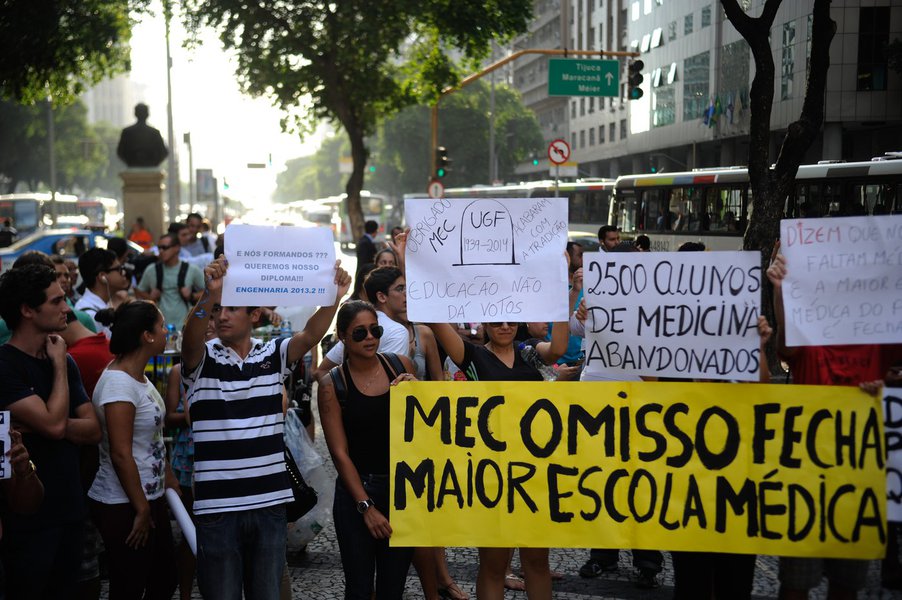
column 570, row 77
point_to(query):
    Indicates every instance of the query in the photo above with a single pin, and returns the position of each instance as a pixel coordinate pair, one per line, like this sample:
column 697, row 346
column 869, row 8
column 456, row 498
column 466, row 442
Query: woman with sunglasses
column 355, row 420
column 503, row 359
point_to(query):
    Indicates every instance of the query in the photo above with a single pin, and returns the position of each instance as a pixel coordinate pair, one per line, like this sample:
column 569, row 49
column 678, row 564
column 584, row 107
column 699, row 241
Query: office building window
column 591, row 105
column 582, row 107
column 687, row 25
column 873, row 36
column 808, row 46
column 706, row 16
column 592, row 137
column 696, row 75
column 573, row 140
column 622, row 129
column 573, row 109
column 671, row 31
column 612, row 132
column 787, row 64
column 582, row 138
column 734, row 68
column 663, row 106
column 601, row 134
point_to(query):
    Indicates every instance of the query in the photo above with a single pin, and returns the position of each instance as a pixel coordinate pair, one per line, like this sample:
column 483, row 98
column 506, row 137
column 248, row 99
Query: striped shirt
column 236, row 417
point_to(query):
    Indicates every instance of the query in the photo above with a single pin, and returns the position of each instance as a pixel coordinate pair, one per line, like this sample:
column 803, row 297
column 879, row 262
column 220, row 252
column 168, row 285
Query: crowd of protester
column 90, row 467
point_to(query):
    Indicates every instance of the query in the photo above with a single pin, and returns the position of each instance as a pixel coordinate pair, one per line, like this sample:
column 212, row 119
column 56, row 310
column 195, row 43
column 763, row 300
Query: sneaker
column 648, row 580
column 592, row 568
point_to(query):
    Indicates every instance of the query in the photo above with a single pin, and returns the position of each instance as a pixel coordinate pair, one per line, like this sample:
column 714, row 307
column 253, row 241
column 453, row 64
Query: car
column 586, row 239
column 69, row 242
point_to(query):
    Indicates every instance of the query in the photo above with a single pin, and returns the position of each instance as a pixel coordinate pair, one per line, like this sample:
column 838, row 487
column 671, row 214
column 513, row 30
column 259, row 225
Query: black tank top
column 366, row 422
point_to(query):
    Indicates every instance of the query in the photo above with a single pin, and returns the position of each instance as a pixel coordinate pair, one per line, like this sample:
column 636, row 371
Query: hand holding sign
column 342, row 281
column 214, row 273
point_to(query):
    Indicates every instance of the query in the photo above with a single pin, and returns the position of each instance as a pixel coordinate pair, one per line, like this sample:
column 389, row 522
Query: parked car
column 69, row 243
column 588, row 240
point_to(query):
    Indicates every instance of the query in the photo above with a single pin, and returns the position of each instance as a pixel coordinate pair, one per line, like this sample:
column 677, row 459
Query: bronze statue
column 141, row 145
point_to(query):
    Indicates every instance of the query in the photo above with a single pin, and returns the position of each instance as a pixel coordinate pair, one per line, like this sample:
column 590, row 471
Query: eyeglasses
column 400, row 288
column 499, row 324
column 164, row 247
column 123, row 269
column 358, row 334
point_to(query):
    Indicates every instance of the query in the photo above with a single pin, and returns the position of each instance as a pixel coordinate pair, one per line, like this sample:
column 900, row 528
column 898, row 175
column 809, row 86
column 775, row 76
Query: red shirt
column 838, row 365
column 92, row 355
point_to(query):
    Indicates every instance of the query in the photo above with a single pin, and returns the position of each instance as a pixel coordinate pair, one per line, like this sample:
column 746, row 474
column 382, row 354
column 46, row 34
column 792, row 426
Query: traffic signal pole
column 497, row 65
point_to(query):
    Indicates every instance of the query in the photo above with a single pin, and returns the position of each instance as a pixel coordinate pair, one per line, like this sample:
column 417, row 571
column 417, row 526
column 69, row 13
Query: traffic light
column 535, row 159
column 372, row 168
column 635, row 79
column 442, row 162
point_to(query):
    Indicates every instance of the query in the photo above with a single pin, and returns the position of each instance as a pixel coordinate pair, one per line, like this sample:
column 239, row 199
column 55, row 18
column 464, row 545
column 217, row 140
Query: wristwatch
column 364, row 505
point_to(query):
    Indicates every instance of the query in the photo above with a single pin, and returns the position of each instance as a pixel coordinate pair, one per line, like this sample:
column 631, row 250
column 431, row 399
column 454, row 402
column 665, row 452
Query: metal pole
column 173, row 175
column 51, row 150
column 493, row 175
column 192, row 195
column 557, row 179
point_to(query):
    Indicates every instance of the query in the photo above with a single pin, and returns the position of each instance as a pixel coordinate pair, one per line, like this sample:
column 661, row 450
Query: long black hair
column 128, row 323
column 349, row 311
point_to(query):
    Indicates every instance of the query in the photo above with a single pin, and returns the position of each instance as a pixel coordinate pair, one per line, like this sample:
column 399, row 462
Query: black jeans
column 712, row 575
column 651, row 560
column 361, row 554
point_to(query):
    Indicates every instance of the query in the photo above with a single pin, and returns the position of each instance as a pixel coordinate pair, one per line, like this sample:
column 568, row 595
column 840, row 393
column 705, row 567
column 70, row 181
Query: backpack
column 205, row 242
column 180, row 282
column 338, row 378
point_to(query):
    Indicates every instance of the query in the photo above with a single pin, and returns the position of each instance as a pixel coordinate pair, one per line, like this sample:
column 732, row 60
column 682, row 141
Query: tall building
column 698, row 70
column 113, row 101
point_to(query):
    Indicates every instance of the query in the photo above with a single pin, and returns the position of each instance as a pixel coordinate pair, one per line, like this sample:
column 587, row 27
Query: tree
column 314, row 176
column 464, row 127
column 771, row 187
column 81, row 155
column 57, row 48
column 339, row 60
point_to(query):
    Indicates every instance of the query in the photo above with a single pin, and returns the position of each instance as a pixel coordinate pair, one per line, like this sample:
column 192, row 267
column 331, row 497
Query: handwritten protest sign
column 892, row 422
column 673, row 314
column 5, row 471
column 486, row 260
column 844, row 280
column 279, row 266
column 684, row 466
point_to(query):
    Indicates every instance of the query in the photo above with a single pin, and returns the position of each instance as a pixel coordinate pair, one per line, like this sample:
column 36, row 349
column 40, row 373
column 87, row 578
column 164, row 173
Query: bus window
column 578, row 208
column 597, row 206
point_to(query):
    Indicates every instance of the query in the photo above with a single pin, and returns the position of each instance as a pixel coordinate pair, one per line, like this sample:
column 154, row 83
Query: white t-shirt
column 395, row 338
column 147, row 439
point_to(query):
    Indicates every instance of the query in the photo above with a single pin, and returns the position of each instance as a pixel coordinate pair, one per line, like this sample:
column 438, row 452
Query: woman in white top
column 127, row 502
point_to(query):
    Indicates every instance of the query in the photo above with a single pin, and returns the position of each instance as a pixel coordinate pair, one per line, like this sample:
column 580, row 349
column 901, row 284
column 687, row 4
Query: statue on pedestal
column 141, row 145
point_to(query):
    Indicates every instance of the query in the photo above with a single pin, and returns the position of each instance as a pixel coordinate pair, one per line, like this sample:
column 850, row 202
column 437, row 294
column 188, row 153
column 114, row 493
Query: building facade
column 698, row 70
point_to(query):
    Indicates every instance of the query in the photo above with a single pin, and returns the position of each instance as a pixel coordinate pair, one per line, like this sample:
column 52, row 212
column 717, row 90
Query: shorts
column 806, row 573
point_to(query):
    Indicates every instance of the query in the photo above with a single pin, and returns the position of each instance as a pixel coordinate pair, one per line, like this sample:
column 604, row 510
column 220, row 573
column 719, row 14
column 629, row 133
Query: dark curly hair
column 26, row 285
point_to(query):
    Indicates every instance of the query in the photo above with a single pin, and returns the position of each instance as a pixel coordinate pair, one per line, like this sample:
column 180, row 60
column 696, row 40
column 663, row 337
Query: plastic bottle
column 285, row 328
column 176, row 340
column 529, row 354
column 170, row 338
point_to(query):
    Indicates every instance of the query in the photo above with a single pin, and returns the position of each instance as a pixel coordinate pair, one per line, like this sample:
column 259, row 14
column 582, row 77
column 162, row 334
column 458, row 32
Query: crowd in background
column 90, row 465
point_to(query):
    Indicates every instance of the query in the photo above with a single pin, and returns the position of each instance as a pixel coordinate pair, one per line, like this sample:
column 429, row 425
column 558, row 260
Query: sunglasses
column 164, row 247
column 358, row 334
column 500, row 323
column 123, row 269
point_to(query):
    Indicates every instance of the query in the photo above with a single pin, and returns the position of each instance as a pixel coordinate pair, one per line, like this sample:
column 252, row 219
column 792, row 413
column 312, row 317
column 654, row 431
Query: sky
column 228, row 129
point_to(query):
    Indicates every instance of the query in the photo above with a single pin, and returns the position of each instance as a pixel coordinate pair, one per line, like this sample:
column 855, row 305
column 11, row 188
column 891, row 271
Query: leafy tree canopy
column 57, row 48
column 341, row 61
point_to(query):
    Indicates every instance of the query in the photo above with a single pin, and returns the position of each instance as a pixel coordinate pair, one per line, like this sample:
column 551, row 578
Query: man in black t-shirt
column 43, row 391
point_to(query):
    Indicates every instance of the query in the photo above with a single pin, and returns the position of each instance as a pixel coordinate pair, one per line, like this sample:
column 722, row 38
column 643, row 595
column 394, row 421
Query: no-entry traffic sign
column 558, row 151
column 435, row 189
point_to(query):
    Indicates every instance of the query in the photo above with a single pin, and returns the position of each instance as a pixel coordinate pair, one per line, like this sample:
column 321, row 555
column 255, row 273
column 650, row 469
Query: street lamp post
column 173, row 174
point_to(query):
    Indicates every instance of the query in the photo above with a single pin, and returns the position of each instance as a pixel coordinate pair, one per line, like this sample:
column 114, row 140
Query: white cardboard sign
column 5, row 470
column 844, row 280
column 279, row 266
column 673, row 314
column 486, row 260
column 892, row 427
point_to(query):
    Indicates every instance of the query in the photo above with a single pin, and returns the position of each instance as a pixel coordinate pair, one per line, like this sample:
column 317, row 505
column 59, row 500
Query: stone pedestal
column 142, row 196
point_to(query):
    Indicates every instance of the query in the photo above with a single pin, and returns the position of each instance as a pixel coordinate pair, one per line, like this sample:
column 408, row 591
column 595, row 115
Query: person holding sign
column 234, row 403
column 353, row 403
column 823, row 365
column 499, row 360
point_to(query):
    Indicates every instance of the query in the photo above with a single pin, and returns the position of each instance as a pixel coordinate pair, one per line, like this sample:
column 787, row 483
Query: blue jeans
column 362, row 555
column 241, row 550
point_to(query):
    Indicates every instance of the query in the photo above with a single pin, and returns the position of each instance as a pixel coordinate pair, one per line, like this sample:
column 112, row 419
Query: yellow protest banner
column 758, row 469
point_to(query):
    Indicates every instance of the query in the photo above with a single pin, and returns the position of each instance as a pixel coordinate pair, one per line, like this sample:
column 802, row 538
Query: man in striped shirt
column 235, row 406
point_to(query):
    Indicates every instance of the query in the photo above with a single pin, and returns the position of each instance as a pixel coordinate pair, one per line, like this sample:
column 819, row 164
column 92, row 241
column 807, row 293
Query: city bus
column 103, row 214
column 713, row 206
column 31, row 211
column 375, row 207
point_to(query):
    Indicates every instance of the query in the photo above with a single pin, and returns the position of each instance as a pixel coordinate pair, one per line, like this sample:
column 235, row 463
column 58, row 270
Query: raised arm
column 51, row 417
column 318, row 324
column 447, row 338
column 196, row 324
column 776, row 273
